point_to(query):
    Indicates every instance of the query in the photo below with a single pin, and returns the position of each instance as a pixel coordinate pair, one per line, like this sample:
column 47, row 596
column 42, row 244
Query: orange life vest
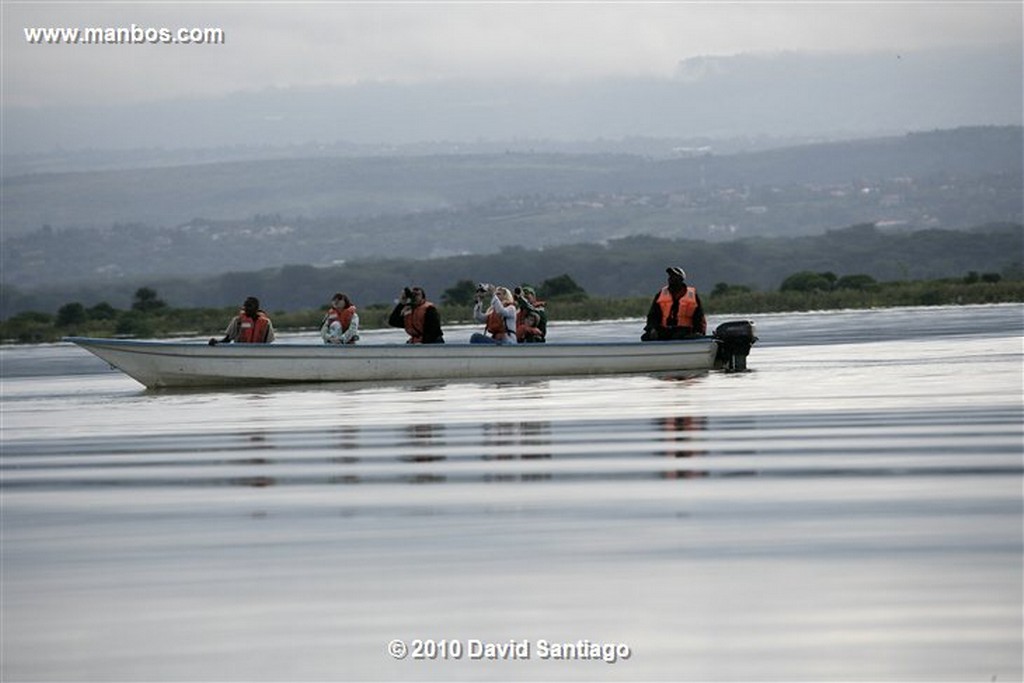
column 342, row 316
column 414, row 322
column 524, row 331
column 252, row 330
column 496, row 325
column 687, row 306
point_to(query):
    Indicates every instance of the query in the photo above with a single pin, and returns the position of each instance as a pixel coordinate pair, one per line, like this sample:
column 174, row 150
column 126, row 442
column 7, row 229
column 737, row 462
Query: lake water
column 850, row 509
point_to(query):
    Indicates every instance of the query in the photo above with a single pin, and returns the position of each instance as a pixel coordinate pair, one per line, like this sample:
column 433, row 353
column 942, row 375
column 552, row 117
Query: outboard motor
column 734, row 341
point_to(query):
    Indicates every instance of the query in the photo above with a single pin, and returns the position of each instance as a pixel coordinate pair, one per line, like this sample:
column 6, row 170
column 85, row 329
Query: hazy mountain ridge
column 347, row 187
column 74, row 161
column 322, row 211
column 631, row 266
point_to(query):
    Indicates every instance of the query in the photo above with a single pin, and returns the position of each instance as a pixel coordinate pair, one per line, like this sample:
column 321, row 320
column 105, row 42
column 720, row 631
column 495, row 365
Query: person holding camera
column 499, row 316
column 419, row 317
column 532, row 318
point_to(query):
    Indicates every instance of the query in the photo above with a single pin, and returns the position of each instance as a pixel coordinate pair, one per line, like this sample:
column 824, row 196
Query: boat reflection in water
column 848, row 509
column 489, row 452
column 681, row 438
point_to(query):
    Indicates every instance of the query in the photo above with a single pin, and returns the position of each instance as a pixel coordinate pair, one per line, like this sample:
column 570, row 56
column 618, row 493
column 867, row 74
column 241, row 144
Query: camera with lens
column 483, row 290
column 407, row 294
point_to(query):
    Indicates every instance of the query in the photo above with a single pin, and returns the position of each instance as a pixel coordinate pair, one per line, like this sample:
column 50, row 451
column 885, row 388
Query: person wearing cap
column 532, row 316
column 341, row 323
column 676, row 311
column 250, row 326
column 418, row 316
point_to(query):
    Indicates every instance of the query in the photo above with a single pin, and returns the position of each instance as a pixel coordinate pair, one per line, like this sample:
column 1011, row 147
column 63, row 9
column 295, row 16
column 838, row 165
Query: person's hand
column 483, row 291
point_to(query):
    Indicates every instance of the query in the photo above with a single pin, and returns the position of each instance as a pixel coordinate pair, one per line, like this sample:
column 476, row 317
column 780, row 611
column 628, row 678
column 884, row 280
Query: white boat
column 158, row 364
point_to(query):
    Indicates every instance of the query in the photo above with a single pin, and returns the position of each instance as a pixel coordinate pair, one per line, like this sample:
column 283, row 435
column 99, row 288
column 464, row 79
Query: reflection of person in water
column 424, row 444
column 348, row 440
column 256, row 441
column 517, row 441
column 679, row 433
column 424, row 437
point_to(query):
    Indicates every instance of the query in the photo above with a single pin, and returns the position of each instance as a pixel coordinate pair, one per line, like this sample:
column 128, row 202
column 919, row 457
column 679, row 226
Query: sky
column 307, row 44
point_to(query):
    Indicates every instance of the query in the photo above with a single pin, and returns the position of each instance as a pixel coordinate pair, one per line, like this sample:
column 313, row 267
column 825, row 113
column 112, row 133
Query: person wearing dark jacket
column 418, row 316
column 250, row 326
column 676, row 311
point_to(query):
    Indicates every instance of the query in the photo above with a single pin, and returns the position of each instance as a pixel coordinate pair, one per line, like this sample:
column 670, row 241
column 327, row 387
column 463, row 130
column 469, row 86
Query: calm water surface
column 850, row 509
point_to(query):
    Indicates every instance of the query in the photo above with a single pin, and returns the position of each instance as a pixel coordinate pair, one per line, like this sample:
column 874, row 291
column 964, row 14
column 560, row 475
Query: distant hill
column 211, row 218
column 347, row 187
column 630, row 266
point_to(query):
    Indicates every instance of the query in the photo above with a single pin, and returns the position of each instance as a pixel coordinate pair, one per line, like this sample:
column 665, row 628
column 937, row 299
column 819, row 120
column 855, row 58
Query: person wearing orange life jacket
column 250, row 326
column 341, row 323
column 532, row 316
column 676, row 311
column 418, row 316
column 498, row 316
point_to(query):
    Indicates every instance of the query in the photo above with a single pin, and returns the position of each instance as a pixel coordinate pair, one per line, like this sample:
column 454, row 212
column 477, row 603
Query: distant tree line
column 561, row 287
column 150, row 316
column 807, row 281
column 625, row 267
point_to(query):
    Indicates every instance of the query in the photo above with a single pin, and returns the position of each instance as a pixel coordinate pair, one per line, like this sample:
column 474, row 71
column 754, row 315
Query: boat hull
column 190, row 364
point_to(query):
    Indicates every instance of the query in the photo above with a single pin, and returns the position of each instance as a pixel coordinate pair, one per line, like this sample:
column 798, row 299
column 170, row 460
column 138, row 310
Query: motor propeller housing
column 734, row 338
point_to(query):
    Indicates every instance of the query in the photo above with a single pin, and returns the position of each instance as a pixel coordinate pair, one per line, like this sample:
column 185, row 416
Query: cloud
column 297, row 45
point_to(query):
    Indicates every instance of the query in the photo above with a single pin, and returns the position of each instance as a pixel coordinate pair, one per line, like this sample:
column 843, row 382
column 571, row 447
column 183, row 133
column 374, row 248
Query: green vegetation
column 150, row 317
column 854, row 293
column 626, row 267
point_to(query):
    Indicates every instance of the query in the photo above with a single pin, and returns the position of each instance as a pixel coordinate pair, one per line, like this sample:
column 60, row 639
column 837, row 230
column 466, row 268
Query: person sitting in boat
column 341, row 323
column 532, row 316
column 419, row 317
column 498, row 314
column 251, row 326
column 528, row 329
column 676, row 312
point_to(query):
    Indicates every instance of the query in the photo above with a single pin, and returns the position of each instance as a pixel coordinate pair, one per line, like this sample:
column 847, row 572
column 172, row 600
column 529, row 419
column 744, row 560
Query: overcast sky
column 318, row 43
